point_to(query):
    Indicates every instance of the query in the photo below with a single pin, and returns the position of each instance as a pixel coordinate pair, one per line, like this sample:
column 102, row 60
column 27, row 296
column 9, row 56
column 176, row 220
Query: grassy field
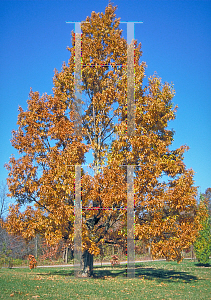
column 154, row 280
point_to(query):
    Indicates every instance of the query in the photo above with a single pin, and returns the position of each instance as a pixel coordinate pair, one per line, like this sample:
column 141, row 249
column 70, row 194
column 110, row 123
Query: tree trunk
column 65, row 254
column 192, row 253
column 87, row 261
column 36, row 244
column 149, row 249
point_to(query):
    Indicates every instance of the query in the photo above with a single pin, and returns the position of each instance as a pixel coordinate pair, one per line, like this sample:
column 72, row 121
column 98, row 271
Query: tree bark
column 36, row 246
column 65, row 254
column 87, row 261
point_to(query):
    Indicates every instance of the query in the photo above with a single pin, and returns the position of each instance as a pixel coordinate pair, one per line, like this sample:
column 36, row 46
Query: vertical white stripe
column 78, row 81
column 78, row 222
column 130, row 80
column 130, row 223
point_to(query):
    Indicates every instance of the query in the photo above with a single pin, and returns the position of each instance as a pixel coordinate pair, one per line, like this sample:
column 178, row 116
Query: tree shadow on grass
column 141, row 272
column 208, row 265
column 62, row 272
column 162, row 275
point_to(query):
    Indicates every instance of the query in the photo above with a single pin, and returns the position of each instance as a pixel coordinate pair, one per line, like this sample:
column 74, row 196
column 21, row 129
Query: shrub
column 115, row 260
column 18, row 262
column 32, row 262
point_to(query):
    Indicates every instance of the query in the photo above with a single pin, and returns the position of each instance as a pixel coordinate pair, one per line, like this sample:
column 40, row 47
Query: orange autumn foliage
column 43, row 176
column 32, row 262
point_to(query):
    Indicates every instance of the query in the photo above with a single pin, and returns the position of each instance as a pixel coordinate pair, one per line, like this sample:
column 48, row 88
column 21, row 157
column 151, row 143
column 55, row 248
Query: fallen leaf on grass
column 37, row 296
column 38, row 278
column 161, row 284
column 12, row 295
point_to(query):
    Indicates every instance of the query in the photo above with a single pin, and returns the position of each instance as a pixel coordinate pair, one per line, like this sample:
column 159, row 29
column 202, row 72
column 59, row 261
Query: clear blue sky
column 176, row 43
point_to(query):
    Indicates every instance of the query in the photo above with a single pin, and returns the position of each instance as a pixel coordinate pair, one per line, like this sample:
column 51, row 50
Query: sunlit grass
column 154, row 280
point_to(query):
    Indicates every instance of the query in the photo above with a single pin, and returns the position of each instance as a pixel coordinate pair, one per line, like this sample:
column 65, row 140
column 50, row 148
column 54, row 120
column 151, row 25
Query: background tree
column 5, row 250
column 15, row 249
column 3, row 200
column 165, row 212
column 202, row 245
column 207, row 199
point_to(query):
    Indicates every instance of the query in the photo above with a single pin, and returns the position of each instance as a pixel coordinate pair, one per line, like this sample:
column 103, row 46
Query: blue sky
column 176, row 43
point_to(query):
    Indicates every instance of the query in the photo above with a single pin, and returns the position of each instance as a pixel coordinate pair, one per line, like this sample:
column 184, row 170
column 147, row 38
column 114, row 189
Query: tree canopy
column 43, row 176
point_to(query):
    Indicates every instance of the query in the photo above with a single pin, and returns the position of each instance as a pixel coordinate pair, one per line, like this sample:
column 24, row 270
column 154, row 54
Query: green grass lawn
column 154, row 280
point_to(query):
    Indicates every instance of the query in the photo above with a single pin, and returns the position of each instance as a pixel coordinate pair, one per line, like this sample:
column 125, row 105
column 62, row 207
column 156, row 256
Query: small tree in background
column 207, row 200
column 32, row 262
column 5, row 256
column 3, row 199
column 202, row 245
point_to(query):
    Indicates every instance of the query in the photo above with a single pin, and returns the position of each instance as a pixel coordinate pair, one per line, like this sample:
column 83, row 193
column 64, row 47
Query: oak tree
column 43, row 176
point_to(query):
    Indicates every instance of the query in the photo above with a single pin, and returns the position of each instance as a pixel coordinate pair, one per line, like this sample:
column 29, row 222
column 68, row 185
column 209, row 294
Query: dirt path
column 96, row 264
